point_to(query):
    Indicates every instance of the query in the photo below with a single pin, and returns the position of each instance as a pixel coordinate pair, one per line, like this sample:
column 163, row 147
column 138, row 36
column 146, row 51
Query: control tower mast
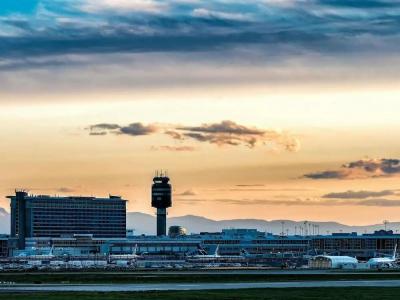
column 161, row 199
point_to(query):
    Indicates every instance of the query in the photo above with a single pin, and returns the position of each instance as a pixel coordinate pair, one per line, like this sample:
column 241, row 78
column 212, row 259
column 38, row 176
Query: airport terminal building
column 46, row 216
column 261, row 246
column 78, row 228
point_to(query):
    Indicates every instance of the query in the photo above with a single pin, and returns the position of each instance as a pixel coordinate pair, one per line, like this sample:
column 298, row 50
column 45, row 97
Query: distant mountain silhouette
column 4, row 221
column 146, row 224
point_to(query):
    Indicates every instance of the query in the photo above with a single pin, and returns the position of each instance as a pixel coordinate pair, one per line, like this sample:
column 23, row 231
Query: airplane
column 383, row 262
column 45, row 256
column 131, row 256
column 202, row 256
column 215, row 258
column 246, row 254
column 36, row 256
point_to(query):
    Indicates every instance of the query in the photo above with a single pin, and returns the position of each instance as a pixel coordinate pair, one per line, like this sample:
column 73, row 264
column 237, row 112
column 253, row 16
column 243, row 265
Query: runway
column 193, row 286
column 231, row 272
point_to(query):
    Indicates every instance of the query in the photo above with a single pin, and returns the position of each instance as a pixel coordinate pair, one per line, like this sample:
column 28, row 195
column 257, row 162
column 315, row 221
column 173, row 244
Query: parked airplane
column 131, row 256
column 38, row 256
column 383, row 262
column 214, row 260
column 202, row 256
column 246, row 254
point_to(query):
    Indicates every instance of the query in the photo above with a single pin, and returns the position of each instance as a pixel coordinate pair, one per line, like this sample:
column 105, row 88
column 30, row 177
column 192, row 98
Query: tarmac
column 193, row 286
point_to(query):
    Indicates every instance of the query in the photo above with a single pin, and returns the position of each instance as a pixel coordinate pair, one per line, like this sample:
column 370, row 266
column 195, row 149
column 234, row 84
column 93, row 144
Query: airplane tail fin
column 134, row 250
column 244, row 252
column 394, row 252
column 51, row 250
column 216, row 251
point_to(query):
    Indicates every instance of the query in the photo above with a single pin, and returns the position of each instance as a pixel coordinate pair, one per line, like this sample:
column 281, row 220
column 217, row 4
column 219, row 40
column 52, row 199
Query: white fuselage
column 380, row 261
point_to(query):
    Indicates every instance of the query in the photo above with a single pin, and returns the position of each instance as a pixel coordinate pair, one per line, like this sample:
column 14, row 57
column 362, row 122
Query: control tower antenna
column 385, row 222
column 161, row 199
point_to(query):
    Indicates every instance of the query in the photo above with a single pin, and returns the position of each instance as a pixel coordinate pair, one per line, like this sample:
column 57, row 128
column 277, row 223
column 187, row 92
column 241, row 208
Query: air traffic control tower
column 161, row 199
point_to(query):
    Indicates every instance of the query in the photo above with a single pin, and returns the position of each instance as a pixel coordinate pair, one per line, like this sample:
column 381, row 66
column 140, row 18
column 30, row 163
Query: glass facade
column 45, row 216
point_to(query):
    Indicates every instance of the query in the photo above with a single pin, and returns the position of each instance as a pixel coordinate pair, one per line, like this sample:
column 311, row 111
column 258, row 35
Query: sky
column 267, row 109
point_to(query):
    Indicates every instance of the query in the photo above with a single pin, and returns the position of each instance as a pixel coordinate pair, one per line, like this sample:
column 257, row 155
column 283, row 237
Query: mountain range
column 146, row 224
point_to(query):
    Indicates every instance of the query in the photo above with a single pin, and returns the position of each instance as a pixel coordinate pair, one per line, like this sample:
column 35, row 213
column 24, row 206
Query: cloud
column 105, row 126
column 189, row 201
column 361, row 169
column 174, row 134
column 295, row 202
column 125, row 45
column 378, row 167
column 340, row 174
column 212, row 14
column 98, row 133
column 122, row 6
column 144, row 26
column 230, row 133
column 224, row 133
column 261, row 188
column 225, row 127
column 189, row 192
column 174, row 148
column 366, row 4
column 133, row 129
column 358, row 194
column 378, row 202
column 65, row 190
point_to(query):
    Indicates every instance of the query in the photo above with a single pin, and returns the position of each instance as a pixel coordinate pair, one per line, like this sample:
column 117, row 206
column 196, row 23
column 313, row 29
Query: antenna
column 305, row 228
column 385, row 222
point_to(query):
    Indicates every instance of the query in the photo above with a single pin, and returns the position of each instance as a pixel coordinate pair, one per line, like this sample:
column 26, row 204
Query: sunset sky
column 269, row 109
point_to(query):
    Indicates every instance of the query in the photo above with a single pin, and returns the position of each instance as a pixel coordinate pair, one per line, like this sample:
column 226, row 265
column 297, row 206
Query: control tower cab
column 161, row 199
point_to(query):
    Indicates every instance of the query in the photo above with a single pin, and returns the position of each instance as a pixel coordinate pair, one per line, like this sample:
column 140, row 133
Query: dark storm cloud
column 358, row 194
column 365, row 168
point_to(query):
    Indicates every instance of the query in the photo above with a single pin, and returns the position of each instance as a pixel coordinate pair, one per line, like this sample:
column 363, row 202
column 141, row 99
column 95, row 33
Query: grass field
column 107, row 277
column 250, row 294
